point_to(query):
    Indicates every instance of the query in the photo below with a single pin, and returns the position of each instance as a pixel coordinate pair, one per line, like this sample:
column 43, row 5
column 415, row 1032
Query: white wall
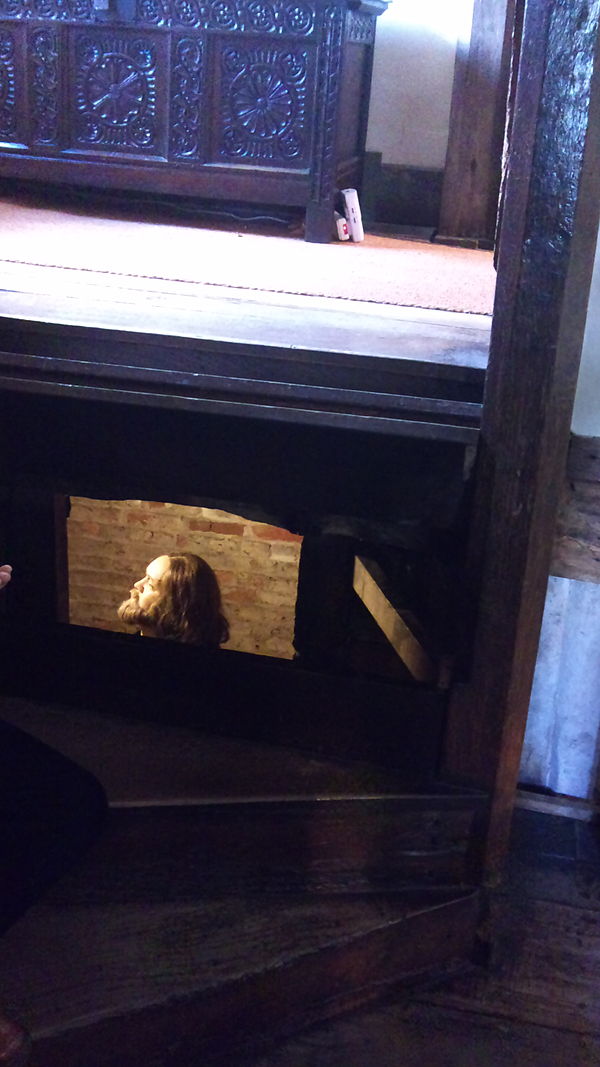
column 563, row 727
column 415, row 49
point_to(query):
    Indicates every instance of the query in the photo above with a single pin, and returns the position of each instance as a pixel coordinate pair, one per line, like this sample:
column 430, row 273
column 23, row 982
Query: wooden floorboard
column 545, row 921
column 401, row 1034
column 546, row 969
column 536, row 1004
column 454, row 339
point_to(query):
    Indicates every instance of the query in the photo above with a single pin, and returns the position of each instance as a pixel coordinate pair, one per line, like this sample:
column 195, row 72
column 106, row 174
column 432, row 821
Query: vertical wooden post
column 477, row 118
column 37, row 548
column 545, row 262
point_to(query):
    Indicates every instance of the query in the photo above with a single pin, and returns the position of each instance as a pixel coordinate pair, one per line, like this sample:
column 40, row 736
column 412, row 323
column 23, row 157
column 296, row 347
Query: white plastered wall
column 415, row 49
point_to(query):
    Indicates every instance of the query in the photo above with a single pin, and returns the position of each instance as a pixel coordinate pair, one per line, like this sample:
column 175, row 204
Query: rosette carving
column 264, row 92
column 116, row 93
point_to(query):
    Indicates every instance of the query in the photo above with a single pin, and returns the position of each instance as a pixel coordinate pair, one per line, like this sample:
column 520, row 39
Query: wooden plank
column 85, row 448
column 347, row 845
column 128, row 985
column 567, row 807
column 189, row 390
column 393, row 623
column 544, row 270
column 577, row 541
column 412, row 356
column 181, row 765
column 478, row 110
column 544, row 970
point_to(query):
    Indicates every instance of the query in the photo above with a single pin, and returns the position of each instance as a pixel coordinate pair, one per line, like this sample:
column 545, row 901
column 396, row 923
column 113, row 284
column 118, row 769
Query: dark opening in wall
column 110, row 543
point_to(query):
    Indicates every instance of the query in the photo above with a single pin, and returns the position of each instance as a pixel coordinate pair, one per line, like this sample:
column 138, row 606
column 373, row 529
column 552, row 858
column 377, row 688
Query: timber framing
column 78, row 400
column 478, row 111
column 577, row 543
column 545, row 261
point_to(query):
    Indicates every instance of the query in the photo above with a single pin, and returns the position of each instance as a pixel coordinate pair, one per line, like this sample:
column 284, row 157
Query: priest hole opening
column 111, row 543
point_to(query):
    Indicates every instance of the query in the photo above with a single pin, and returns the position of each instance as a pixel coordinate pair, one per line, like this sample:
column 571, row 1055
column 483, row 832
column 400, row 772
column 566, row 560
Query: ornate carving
column 71, row 10
column 186, row 95
column 44, row 81
column 223, row 15
column 8, row 117
column 299, row 17
column 116, row 93
column 360, row 27
column 186, row 13
column 263, row 105
column 13, row 9
column 328, row 90
column 153, row 12
column 261, row 16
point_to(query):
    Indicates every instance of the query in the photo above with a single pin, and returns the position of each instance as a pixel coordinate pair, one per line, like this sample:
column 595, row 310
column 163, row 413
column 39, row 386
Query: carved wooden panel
column 295, row 17
column 44, row 75
column 264, row 96
column 187, row 77
column 59, row 10
column 8, row 85
column 251, row 88
column 117, row 91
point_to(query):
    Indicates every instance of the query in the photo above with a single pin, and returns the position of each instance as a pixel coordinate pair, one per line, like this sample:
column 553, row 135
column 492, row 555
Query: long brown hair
column 190, row 608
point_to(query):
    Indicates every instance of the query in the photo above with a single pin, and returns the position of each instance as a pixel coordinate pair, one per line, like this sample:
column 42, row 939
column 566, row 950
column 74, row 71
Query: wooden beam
column 395, row 624
column 545, row 261
column 576, row 553
column 477, row 118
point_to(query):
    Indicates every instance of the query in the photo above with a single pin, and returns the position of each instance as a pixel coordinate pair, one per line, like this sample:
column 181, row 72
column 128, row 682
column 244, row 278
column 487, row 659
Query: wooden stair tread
column 183, row 854
column 65, row 967
column 146, row 762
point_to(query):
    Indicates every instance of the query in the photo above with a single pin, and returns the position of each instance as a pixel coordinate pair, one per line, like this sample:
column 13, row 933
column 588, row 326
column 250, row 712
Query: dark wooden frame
column 477, row 119
column 545, row 261
column 544, row 269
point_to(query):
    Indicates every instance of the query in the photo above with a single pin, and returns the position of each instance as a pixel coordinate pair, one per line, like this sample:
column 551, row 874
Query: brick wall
column 112, row 541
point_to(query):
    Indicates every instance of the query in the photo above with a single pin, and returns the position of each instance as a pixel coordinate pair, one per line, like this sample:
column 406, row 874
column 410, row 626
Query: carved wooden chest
column 254, row 101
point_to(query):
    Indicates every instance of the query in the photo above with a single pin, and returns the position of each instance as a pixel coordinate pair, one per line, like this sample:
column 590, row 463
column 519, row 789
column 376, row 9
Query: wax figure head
column 178, row 598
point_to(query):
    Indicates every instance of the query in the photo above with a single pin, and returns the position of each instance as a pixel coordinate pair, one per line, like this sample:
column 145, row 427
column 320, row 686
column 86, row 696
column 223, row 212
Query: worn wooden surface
column 545, row 964
column 401, row 1031
column 134, row 984
column 537, row 1003
column 577, row 542
column 395, row 624
column 352, row 845
column 544, row 270
column 411, row 374
column 197, row 814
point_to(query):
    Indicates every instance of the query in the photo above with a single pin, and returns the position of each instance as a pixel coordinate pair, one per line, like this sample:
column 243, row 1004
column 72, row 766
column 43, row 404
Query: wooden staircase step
column 139, row 761
column 194, row 814
column 155, row 985
column 353, row 844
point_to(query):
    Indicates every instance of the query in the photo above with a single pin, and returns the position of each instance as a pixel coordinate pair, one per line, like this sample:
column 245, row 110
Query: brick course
column 111, row 543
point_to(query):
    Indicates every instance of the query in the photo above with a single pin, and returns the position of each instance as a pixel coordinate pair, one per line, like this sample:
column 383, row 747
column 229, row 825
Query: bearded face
column 146, row 594
column 129, row 611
